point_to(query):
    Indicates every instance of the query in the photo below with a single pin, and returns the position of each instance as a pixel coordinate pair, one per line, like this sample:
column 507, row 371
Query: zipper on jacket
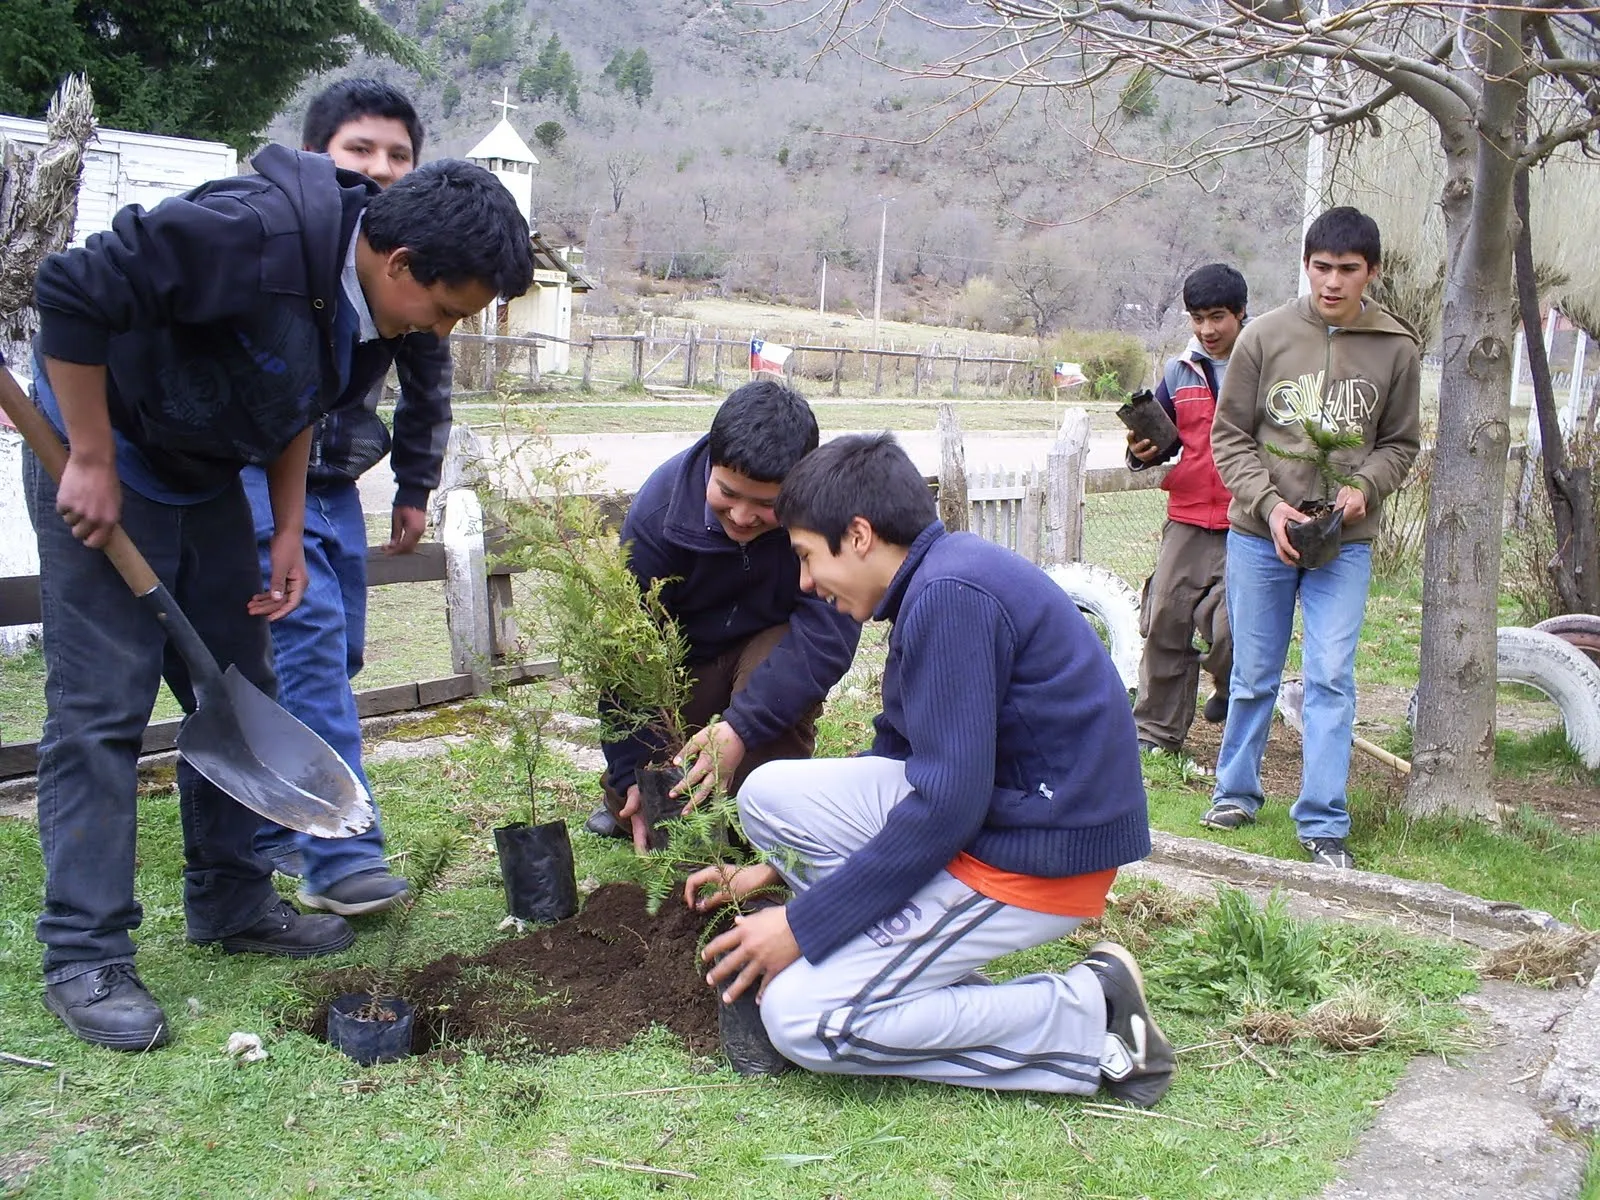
column 744, row 554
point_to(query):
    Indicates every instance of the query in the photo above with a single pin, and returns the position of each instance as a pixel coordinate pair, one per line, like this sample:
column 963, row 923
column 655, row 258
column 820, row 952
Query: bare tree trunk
column 1573, row 571
column 1453, row 756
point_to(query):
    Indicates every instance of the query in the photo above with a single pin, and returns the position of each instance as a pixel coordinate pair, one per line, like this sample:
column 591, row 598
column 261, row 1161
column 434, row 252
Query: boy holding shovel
column 189, row 341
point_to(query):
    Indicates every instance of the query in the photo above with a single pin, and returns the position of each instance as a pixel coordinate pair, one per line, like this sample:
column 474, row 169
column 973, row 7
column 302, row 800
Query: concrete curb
column 1572, row 1080
column 1365, row 888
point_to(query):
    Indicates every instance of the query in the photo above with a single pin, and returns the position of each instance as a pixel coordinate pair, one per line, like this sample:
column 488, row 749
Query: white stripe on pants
column 902, row 997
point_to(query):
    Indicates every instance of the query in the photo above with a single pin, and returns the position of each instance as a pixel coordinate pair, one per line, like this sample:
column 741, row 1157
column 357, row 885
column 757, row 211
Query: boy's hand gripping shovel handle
column 52, row 455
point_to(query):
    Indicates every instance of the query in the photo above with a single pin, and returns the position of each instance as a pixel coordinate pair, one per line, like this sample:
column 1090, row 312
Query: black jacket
column 215, row 314
column 349, row 440
column 721, row 594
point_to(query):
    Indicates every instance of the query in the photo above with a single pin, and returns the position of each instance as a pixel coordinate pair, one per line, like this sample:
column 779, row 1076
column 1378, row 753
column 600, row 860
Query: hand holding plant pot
column 1314, row 528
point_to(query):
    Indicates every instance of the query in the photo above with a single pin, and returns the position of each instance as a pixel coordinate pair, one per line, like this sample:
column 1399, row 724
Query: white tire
column 1580, row 629
column 1104, row 595
column 1544, row 661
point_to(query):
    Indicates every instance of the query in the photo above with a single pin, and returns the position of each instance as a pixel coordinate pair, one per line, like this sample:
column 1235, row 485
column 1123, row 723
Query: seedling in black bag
column 1318, row 538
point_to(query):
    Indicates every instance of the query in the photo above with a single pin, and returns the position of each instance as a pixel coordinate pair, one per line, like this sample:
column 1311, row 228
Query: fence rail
column 694, row 359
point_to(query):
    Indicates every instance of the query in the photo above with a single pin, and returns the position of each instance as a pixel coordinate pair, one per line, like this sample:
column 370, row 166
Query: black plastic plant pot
column 370, row 1031
column 536, row 868
column 1144, row 415
column 745, row 1043
column 1318, row 540
column 655, row 784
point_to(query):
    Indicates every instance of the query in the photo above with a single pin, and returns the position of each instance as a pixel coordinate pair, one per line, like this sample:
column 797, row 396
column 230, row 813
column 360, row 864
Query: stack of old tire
column 1561, row 658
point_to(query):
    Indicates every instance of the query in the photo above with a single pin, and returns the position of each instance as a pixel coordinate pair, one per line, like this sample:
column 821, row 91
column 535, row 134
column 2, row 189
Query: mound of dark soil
column 594, row 981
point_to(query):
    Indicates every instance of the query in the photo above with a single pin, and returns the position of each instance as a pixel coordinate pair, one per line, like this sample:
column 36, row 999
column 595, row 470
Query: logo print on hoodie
column 1348, row 405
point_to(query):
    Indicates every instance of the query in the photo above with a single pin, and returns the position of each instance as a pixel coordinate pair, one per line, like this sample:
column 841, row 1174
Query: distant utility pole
column 877, row 292
column 822, row 292
column 1316, row 159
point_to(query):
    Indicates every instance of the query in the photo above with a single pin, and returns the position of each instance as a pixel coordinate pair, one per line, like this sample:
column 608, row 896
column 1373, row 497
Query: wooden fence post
column 1029, row 523
column 638, row 357
column 952, row 471
column 588, row 363
column 716, row 361
column 466, row 592
column 1064, row 488
column 955, row 378
column 688, row 357
column 504, row 635
column 838, row 369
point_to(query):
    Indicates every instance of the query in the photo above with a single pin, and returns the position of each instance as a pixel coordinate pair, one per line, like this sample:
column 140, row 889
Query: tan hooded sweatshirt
column 1287, row 366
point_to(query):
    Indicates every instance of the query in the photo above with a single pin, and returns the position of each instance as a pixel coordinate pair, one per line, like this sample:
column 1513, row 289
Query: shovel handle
column 46, row 445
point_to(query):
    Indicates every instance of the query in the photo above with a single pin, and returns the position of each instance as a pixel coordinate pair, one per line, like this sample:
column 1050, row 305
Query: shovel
column 236, row 737
column 1292, row 702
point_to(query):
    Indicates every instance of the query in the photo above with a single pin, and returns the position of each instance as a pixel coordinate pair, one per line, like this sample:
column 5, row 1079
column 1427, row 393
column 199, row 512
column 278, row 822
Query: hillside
column 745, row 161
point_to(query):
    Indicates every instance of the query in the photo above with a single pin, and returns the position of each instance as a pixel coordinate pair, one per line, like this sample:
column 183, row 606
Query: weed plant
column 1242, row 955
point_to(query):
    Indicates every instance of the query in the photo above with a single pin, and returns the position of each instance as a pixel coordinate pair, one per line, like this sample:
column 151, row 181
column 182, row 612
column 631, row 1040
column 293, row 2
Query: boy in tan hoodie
column 1345, row 362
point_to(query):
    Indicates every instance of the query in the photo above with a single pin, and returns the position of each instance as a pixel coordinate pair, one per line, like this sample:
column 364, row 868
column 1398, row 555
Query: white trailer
column 123, row 168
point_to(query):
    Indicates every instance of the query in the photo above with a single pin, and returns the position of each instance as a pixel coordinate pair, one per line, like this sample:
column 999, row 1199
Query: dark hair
column 1215, row 285
column 459, row 223
column 1345, row 230
column 350, row 99
column 761, row 430
column 865, row 475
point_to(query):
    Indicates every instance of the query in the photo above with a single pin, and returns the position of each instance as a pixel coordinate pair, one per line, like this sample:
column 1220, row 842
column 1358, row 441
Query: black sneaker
column 1222, row 815
column 1149, row 747
column 602, row 824
column 356, row 895
column 287, row 933
column 109, row 1007
column 1329, row 852
column 1216, row 709
column 1138, row 1063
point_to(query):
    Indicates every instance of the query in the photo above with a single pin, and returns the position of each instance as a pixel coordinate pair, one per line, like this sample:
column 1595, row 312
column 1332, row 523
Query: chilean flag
column 1069, row 375
column 768, row 356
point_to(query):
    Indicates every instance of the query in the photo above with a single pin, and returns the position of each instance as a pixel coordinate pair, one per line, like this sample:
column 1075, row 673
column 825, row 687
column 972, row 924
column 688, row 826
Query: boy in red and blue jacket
column 1186, row 595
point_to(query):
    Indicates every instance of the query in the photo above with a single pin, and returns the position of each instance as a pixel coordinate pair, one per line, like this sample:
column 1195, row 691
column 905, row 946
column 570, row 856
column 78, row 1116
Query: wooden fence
column 696, row 359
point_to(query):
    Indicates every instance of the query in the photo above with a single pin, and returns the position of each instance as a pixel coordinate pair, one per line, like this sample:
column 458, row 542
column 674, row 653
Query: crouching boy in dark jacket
column 1000, row 796
column 762, row 652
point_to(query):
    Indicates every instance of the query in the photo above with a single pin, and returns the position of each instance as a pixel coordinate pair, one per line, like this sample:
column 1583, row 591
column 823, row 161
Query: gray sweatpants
column 903, row 997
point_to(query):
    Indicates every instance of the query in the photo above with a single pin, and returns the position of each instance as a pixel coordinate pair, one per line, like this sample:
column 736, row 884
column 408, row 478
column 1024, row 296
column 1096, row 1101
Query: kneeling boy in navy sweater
column 1000, row 796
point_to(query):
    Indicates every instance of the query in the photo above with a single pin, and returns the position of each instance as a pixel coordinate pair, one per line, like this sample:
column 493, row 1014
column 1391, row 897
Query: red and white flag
column 1069, row 375
column 768, row 356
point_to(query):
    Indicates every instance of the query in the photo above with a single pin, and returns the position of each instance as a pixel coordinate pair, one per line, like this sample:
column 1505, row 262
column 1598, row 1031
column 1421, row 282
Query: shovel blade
column 271, row 763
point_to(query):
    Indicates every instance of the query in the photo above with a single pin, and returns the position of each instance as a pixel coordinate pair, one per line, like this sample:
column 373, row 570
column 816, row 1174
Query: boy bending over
column 1001, row 794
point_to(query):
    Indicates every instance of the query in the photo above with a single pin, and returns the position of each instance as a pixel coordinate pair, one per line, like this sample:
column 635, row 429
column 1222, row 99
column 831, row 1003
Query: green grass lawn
column 186, row 1121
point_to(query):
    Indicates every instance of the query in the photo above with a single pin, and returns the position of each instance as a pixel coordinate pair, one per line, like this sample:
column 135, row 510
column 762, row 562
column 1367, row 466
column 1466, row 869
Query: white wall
column 19, row 553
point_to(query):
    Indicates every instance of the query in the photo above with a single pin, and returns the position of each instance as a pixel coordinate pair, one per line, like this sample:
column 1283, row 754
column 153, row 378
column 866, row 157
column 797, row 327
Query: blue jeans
column 104, row 656
column 1333, row 602
column 317, row 649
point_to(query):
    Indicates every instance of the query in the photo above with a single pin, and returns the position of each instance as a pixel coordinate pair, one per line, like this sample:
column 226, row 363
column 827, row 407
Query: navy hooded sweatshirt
column 723, row 593
column 1015, row 730
column 216, row 316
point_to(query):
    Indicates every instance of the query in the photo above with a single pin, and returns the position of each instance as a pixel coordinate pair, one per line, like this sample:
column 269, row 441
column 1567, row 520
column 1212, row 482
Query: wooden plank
column 160, row 736
column 1004, row 491
column 422, row 565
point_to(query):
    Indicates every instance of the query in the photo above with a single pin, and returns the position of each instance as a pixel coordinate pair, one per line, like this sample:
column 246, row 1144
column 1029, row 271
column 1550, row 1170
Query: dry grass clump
column 1134, row 915
column 1545, row 959
column 1270, row 1026
column 1353, row 1019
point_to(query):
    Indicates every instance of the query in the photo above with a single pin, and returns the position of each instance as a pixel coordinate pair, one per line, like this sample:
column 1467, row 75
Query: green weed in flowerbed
column 187, row 1121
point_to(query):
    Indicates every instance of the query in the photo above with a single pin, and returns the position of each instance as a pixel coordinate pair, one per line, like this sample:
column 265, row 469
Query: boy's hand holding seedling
column 1354, row 502
column 1142, row 448
column 712, row 754
column 732, row 884
column 759, row 946
column 1278, row 522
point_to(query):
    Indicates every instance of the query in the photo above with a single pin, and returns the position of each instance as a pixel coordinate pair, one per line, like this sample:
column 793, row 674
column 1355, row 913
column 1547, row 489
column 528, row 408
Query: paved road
column 623, row 461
